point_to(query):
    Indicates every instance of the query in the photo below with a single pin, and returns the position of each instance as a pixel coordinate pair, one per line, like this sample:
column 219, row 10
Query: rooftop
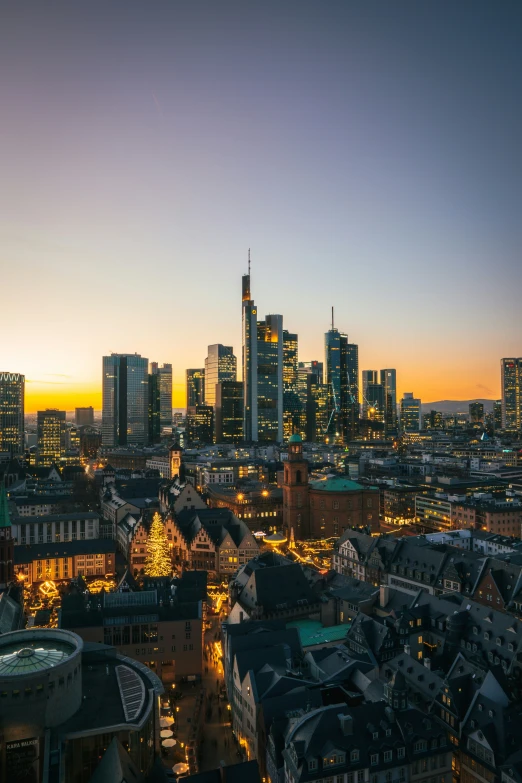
column 337, row 484
column 313, row 632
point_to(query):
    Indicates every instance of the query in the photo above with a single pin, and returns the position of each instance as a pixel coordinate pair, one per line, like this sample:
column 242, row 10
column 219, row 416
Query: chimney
column 407, row 649
column 427, row 663
column 346, row 722
column 384, row 596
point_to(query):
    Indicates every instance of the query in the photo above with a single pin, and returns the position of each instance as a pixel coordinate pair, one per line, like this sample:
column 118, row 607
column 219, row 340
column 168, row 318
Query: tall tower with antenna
column 341, row 377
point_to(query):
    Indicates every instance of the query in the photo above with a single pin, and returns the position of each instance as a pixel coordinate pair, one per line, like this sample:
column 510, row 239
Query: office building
column 342, row 380
column 229, row 412
column 434, row 420
column 220, row 365
column 511, row 377
column 262, row 372
column 154, row 408
column 313, row 401
column 52, row 434
column 410, row 413
column 84, row 417
column 164, row 374
column 12, row 396
column 125, row 400
column 195, row 387
column 476, row 413
column 200, row 425
column 497, row 414
column 367, row 377
column 291, row 400
column 388, row 378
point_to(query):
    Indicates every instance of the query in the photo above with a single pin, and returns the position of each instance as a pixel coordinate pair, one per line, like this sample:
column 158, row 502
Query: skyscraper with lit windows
column 341, row 377
column 511, row 379
column 125, row 400
column 12, row 399
column 52, row 432
column 262, row 362
column 195, row 387
column 164, row 374
column 220, row 366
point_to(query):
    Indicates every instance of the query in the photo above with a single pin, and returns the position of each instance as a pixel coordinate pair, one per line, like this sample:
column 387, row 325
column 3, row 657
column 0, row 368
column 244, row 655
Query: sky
column 367, row 152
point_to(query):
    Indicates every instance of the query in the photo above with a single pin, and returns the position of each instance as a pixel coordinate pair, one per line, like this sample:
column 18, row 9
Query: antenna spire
column 332, row 319
column 249, row 262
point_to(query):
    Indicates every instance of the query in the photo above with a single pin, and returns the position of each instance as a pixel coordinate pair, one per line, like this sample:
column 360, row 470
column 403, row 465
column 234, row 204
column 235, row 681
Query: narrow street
column 218, row 743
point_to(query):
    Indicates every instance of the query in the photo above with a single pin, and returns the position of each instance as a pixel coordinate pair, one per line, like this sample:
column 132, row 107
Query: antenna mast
column 249, row 262
column 332, row 319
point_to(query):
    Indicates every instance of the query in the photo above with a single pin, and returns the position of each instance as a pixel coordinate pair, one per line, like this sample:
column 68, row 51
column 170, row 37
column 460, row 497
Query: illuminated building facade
column 476, row 413
column 342, row 381
column 195, row 387
column 125, row 400
column 52, row 432
column 434, row 420
column 164, row 374
column 12, row 397
column 497, row 414
column 229, row 412
column 220, row 365
column 511, row 377
column 200, row 424
column 336, row 504
column 388, row 378
column 262, row 361
column 410, row 413
column 6, row 541
column 291, row 399
column 313, row 400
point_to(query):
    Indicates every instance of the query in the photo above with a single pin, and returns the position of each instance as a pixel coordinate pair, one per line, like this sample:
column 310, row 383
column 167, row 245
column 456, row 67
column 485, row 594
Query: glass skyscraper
column 195, row 387
column 341, row 377
column 511, row 372
column 52, row 430
column 291, row 401
column 389, row 384
column 220, row 365
column 410, row 413
column 125, row 400
column 262, row 360
column 164, row 374
column 12, row 400
column 229, row 412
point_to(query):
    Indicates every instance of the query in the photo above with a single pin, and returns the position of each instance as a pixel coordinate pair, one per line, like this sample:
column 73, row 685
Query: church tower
column 296, row 504
column 175, row 461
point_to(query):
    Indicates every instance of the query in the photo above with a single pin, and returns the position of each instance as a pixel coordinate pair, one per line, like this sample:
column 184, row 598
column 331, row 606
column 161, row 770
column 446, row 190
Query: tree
column 158, row 561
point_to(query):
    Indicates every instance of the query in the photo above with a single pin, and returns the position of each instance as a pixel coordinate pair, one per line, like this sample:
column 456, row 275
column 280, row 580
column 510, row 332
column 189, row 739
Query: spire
column 4, row 509
column 249, row 262
column 332, row 319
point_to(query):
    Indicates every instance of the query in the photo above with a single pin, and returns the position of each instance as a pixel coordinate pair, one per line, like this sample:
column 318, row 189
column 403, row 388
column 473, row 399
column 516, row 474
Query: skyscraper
column 511, row 377
column 476, row 413
column 84, row 417
column 12, row 398
column 229, row 412
column 195, row 387
column 262, row 361
column 341, row 377
column 389, row 384
column 164, row 374
column 312, row 398
column 367, row 377
column 410, row 413
column 125, row 400
column 200, row 425
column 154, row 408
column 220, row 365
column 52, row 433
column 291, row 400
column 497, row 414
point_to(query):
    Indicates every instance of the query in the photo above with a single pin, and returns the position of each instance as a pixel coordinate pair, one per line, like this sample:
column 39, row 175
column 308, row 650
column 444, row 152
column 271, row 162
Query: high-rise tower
column 511, row 370
column 125, row 400
column 220, row 366
column 341, row 377
column 262, row 362
column 389, row 384
column 164, row 374
column 12, row 396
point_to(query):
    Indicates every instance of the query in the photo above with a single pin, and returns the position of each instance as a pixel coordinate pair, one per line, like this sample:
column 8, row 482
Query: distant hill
column 455, row 406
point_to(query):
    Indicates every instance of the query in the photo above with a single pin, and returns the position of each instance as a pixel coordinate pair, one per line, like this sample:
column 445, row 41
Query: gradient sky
column 368, row 152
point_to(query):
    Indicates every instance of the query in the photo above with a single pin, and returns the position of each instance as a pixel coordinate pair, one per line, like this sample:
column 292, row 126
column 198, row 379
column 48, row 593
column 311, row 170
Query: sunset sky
column 368, row 152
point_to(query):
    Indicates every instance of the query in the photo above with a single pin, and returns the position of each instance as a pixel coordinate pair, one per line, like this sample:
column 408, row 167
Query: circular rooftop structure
column 295, row 438
column 37, row 655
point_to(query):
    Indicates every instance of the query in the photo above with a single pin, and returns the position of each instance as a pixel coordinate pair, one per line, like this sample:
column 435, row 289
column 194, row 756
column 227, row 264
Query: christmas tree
column 158, row 561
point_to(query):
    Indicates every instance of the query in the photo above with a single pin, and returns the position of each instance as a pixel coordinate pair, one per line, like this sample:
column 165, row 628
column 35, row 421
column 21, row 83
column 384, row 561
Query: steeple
column 4, row 509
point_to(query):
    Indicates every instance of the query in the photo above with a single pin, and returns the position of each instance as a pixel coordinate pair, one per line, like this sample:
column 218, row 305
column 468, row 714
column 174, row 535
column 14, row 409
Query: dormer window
column 312, row 765
column 486, row 635
column 375, row 735
column 374, row 759
column 354, row 755
column 401, row 753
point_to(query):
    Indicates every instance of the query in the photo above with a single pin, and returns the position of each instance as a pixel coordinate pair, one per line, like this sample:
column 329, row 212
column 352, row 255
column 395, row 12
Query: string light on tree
column 158, row 562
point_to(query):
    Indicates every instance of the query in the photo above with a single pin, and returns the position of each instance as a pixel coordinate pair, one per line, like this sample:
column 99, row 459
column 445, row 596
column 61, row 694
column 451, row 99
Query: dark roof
column 56, row 517
column 245, row 772
column 283, row 584
column 26, row 553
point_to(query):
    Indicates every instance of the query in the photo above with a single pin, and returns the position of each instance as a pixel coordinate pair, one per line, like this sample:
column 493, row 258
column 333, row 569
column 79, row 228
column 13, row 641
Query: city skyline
column 368, row 155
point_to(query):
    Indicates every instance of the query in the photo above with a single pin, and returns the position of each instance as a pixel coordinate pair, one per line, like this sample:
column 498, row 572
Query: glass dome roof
column 36, row 655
